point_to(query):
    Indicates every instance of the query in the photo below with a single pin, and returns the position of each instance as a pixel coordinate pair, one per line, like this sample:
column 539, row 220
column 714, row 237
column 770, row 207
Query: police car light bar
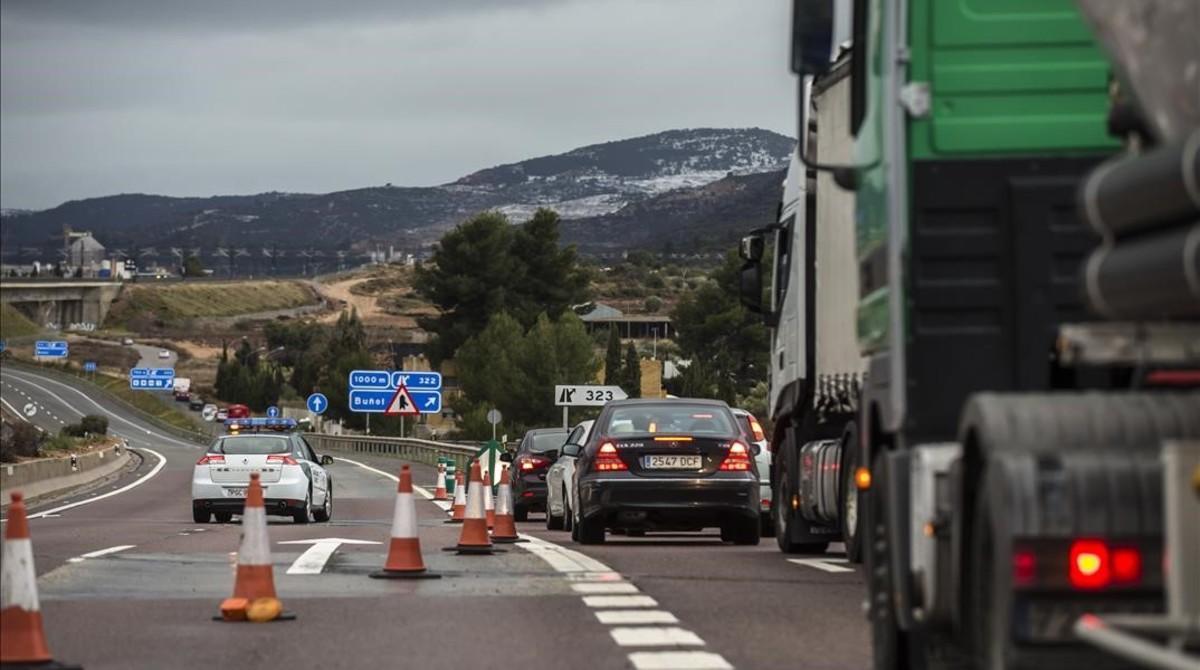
column 258, row 423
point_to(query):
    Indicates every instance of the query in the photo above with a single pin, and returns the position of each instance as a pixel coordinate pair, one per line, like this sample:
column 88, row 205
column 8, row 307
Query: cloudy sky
column 183, row 97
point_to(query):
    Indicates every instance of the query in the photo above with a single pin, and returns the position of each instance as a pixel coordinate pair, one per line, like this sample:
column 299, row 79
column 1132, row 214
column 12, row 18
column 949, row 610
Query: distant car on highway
column 127, row 341
column 560, row 480
column 163, row 353
column 196, row 404
column 236, row 411
column 534, row 456
column 222, row 414
column 753, row 432
column 294, row 481
column 665, row 465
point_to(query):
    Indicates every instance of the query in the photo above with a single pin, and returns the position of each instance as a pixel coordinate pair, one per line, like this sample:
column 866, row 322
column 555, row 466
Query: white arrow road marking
column 313, row 560
column 100, row 552
column 826, row 564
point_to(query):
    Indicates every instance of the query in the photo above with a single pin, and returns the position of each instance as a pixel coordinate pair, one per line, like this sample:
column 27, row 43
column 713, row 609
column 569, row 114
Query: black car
column 196, row 404
column 536, row 453
column 665, row 465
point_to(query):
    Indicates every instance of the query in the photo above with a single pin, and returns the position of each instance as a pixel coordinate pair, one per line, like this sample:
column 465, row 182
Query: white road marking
column 100, row 552
column 655, row 636
column 423, row 492
column 619, row 601
column 826, row 564
column 626, row 617
column 313, row 560
column 678, row 660
column 14, row 410
column 598, row 588
column 162, row 461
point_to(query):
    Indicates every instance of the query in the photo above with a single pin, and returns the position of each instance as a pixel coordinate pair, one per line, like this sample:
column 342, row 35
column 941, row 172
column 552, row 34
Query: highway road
column 127, row 580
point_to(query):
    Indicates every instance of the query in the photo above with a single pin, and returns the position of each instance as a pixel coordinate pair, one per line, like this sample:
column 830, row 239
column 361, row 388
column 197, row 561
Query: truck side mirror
column 812, row 36
column 751, row 248
column 750, row 286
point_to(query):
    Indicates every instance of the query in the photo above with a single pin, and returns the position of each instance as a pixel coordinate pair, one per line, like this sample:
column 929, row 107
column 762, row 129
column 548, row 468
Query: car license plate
column 664, row 462
column 235, row 493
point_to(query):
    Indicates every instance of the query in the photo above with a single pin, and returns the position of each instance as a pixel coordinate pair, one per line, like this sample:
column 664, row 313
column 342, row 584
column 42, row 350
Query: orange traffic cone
column 254, row 587
column 489, row 503
column 506, row 528
column 474, row 537
column 404, row 552
column 22, row 640
column 439, row 492
column 459, row 511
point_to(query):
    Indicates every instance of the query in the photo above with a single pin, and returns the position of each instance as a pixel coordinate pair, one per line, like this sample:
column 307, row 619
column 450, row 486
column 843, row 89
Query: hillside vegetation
column 15, row 324
column 169, row 303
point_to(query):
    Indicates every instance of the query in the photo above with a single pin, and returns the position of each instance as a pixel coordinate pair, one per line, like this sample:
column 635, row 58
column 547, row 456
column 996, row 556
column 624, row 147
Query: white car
column 294, row 482
column 163, row 353
column 560, row 481
column 753, row 431
column 127, row 341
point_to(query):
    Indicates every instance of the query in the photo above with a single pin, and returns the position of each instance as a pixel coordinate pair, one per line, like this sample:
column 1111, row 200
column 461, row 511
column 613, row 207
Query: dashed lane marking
column 597, row 588
column 100, row 552
column 655, row 636
column 678, row 660
column 826, row 564
column 626, row 617
column 619, row 601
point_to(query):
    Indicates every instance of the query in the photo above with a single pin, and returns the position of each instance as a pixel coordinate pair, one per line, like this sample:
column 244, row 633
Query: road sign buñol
column 373, row 391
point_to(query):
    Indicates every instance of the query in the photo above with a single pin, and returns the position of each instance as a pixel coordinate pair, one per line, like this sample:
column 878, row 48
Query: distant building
column 85, row 252
column 629, row 326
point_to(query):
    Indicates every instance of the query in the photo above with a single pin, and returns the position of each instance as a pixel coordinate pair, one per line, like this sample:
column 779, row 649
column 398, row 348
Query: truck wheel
column 851, row 512
column 889, row 641
column 991, row 614
column 785, row 517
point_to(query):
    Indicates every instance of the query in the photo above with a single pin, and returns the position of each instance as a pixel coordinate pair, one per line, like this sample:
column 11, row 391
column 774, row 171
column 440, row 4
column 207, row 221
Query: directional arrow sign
column 586, row 395
column 376, row 401
column 317, row 403
column 313, row 560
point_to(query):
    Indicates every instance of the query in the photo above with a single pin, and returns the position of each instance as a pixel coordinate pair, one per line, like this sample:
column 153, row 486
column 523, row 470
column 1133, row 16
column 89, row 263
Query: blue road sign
column 394, row 379
column 376, row 401
column 317, row 403
column 3, row 346
column 89, row 366
column 50, row 349
column 417, row 381
column 151, row 379
column 273, row 412
column 370, row 379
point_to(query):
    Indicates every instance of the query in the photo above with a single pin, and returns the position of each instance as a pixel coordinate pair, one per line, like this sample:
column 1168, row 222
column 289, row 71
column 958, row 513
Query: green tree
column 612, row 358
column 713, row 327
column 192, row 267
column 631, row 375
column 552, row 279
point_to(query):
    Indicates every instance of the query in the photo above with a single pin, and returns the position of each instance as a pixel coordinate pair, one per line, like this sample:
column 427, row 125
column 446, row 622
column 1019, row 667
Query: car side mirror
column 327, row 460
column 570, row 450
column 506, row 457
column 755, row 448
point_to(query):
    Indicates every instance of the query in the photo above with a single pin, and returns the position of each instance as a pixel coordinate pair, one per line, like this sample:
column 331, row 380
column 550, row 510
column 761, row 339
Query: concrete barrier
column 50, row 475
column 408, row 448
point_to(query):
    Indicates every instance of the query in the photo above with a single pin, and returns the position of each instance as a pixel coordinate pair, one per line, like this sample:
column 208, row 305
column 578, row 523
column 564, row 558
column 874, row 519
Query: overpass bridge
column 69, row 304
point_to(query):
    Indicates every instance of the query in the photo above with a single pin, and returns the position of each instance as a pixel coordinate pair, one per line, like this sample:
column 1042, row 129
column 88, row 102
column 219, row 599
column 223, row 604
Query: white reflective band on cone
column 504, row 504
column 460, row 496
column 475, row 505
column 18, row 580
column 255, row 549
column 404, row 522
column 488, row 501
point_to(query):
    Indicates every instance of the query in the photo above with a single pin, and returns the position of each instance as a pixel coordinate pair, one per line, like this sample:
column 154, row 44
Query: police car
column 294, row 480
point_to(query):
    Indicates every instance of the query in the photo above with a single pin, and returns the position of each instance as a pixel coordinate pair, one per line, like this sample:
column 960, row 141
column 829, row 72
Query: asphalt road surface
column 129, row 581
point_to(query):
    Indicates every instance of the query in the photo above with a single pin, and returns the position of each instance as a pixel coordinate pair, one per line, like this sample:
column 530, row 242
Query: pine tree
column 612, row 359
column 632, row 374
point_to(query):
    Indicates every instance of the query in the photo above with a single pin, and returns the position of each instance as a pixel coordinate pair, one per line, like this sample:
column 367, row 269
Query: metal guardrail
column 176, row 431
column 407, row 448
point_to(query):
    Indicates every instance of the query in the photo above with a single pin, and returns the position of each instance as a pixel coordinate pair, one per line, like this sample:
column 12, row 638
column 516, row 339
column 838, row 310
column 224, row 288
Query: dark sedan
column 535, row 455
column 666, row 465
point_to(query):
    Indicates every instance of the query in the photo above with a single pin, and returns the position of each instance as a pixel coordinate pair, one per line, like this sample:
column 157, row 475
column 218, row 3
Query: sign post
column 494, row 417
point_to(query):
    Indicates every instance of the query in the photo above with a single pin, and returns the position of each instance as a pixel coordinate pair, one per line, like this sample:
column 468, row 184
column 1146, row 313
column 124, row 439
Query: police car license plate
column 664, row 462
column 235, row 493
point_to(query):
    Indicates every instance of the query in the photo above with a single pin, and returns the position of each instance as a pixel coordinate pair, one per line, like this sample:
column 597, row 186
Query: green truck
column 1025, row 205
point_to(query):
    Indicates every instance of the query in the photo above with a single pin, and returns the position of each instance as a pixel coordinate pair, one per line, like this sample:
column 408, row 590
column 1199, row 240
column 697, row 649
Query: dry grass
column 177, row 302
column 15, row 324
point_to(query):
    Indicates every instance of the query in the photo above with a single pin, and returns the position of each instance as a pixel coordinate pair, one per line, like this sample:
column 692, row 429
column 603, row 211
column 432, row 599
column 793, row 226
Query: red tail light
column 285, row 459
column 608, row 460
column 1088, row 566
column 1126, row 565
column 1024, row 568
column 756, row 428
column 531, row 463
column 211, row 459
column 738, row 458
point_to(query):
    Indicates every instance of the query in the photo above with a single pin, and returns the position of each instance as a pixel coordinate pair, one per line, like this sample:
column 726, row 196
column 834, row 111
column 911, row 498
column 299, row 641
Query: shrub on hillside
column 18, row 439
column 94, row 424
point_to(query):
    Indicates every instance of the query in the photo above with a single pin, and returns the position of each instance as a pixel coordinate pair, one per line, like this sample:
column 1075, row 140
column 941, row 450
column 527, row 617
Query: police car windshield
column 245, row 445
column 677, row 418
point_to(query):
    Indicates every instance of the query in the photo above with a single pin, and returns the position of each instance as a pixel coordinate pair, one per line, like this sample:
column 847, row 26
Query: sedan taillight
column 608, row 460
column 211, row 459
column 532, row 463
column 737, row 459
column 284, row 459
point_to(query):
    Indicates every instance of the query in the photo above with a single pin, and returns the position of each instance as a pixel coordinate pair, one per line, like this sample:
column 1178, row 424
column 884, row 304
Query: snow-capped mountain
column 583, row 183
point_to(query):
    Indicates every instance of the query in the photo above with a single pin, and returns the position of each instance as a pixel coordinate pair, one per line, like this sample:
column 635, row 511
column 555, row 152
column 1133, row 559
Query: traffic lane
column 49, row 414
column 383, row 631
column 149, row 357
column 750, row 604
column 75, row 399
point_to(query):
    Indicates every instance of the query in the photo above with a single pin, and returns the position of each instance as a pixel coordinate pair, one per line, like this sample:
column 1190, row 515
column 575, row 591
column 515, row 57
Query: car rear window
column 249, row 445
column 672, row 418
column 548, row 441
